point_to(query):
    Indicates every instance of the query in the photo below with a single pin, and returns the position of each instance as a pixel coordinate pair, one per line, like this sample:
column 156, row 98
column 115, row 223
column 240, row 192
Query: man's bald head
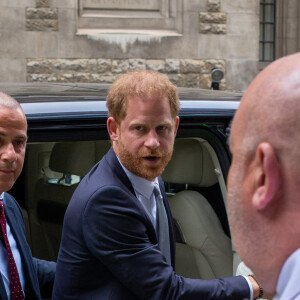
column 263, row 181
column 270, row 108
column 8, row 101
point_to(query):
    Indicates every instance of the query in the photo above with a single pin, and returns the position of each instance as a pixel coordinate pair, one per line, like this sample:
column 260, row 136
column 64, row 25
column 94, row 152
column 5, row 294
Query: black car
column 67, row 136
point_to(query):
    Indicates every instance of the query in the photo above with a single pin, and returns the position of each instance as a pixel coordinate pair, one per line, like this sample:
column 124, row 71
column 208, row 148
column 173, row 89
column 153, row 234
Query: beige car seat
column 203, row 250
column 51, row 199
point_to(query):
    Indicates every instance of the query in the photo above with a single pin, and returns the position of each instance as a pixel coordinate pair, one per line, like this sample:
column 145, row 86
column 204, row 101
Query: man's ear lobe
column 112, row 128
column 267, row 176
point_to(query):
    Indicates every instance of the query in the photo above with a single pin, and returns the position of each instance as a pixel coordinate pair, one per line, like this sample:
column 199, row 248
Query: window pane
column 269, row 33
column 269, row 13
column 268, row 52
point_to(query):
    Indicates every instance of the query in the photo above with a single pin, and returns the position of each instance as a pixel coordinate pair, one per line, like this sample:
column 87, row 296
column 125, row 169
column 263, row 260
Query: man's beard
column 136, row 164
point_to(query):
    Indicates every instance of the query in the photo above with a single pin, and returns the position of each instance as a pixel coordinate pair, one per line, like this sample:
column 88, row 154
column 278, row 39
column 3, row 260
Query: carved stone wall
column 213, row 21
column 95, row 40
column 184, row 72
column 42, row 17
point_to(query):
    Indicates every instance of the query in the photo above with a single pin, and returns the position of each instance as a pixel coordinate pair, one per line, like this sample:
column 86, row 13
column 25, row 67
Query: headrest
column 75, row 158
column 191, row 164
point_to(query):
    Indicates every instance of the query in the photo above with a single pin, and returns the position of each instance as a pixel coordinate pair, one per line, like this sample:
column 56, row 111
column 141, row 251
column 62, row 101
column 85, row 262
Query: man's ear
column 113, row 129
column 267, row 176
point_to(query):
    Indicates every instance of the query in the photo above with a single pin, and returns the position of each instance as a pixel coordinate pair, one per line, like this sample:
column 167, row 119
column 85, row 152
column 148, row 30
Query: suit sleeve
column 46, row 274
column 115, row 232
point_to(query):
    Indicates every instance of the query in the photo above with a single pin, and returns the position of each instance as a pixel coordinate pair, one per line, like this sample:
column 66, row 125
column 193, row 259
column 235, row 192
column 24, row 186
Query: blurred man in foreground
column 263, row 182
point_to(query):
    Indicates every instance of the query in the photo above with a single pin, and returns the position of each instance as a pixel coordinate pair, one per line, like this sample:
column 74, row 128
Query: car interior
column 194, row 184
column 203, row 250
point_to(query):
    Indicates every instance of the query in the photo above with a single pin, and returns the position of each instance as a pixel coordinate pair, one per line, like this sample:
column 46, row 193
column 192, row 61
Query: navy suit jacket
column 109, row 247
column 39, row 274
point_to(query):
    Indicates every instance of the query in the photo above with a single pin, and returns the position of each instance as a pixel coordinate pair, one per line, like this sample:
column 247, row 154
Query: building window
column 267, row 30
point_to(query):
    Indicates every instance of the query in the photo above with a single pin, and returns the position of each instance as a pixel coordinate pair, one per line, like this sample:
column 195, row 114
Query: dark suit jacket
column 39, row 274
column 109, row 247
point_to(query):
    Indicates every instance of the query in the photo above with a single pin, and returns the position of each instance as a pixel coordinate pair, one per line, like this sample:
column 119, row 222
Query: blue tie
column 163, row 226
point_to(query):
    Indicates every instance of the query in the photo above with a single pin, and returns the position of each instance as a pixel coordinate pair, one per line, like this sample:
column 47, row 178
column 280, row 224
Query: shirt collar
column 141, row 185
column 2, row 196
column 288, row 279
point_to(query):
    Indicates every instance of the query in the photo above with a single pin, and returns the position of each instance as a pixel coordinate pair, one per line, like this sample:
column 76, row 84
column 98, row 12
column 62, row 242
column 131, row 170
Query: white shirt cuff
column 250, row 287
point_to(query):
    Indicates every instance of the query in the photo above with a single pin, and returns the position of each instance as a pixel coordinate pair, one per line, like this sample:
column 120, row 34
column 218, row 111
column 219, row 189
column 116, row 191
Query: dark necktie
column 14, row 279
column 163, row 227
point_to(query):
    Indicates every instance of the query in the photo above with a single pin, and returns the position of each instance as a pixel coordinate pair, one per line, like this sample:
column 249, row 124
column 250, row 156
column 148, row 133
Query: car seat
column 203, row 250
column 51, row 196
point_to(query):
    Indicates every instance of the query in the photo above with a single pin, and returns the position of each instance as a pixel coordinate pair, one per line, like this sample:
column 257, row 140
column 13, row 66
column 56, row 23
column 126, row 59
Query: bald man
column 263, row 182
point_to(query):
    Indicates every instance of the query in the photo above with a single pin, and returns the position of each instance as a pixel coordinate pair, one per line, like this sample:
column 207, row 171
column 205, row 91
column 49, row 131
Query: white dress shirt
column 288, row 285
column 4, row 259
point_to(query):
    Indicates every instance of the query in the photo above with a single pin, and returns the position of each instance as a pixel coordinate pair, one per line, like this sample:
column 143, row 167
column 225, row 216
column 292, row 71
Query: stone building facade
column 96, row 40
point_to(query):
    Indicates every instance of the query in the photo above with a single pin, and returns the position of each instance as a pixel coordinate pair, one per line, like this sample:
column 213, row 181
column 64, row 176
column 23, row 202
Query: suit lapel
column 120, row 173
column 15, row 221
column 16, row 226
column 118, row 170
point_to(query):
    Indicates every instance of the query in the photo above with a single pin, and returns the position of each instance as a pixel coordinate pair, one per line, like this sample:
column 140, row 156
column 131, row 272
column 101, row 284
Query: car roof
column 48, row 91
column 38, row 98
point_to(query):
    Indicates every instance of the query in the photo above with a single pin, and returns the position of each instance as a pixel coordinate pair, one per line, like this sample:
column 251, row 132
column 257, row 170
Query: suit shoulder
column 107, row 172
column 10, row 200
